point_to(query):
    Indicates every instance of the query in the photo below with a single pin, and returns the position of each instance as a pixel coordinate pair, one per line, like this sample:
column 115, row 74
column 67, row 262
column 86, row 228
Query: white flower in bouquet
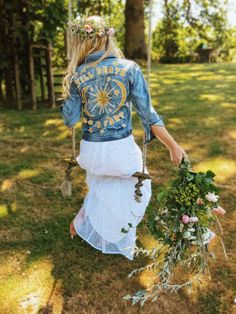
column 212, row 197
column 208, row 236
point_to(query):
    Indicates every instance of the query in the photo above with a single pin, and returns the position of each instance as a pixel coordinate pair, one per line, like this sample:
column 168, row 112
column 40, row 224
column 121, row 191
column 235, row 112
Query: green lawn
column 42, row 270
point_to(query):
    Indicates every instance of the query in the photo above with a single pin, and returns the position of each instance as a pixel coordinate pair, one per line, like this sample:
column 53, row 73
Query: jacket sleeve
column 70, row 108
column 141, row 100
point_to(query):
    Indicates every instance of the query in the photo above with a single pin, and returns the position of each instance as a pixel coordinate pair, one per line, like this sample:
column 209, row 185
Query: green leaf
column 210, row 174
column 161, row 196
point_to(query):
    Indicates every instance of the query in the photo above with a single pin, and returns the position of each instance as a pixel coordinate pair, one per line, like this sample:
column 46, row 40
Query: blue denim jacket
column 102, row 96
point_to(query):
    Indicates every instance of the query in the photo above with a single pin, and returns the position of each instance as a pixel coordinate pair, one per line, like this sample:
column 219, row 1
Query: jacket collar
column 96, row 55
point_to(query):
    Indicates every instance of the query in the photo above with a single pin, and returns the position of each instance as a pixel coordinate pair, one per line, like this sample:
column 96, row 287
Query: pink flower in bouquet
column 88, row 28
column 219, row 210
column 110, row 31
column 185, row 219
column 200, row 201
column 212, row 197
column 193, row 219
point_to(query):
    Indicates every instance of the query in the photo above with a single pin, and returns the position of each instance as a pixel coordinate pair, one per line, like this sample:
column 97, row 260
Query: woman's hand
column 177, row 153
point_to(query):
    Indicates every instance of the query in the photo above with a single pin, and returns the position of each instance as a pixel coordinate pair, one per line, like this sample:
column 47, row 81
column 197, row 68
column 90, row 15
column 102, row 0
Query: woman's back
column 104, row 93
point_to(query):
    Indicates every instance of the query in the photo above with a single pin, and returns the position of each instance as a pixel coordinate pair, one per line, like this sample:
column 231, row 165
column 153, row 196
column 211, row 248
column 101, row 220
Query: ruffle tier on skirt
column 109, row 204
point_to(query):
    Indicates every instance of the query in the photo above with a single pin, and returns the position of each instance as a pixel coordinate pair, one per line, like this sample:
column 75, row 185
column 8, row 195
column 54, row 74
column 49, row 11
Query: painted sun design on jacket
column 102, row 98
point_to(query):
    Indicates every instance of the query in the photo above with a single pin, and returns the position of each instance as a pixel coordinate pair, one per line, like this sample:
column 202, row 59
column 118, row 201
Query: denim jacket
column 102, row 97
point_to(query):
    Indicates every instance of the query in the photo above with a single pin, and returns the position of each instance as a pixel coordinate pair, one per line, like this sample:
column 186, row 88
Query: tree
column 209, row 20
column 166, row 34
column 135, row 46
column 24, row 23
column 188, row 24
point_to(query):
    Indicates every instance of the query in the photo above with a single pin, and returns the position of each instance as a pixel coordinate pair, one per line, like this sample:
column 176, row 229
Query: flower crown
column 84, row 29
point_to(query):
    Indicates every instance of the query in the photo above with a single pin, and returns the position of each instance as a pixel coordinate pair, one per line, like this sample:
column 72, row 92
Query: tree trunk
column 50, row 80
column 41, row 77
column 135, row 46
column 32, row 77
column 16, row 67
column 6, row 41
column 1, row 91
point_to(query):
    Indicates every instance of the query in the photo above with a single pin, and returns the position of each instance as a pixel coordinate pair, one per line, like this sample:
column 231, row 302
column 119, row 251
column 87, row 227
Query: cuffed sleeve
column 70, row 109
column 141, row 100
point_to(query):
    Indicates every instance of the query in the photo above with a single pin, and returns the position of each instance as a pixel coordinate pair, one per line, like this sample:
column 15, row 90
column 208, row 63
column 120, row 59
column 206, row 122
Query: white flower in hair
column 110, row 31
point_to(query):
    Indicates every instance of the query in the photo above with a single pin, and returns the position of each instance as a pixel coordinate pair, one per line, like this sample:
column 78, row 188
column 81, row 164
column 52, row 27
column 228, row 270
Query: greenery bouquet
column 186, row 208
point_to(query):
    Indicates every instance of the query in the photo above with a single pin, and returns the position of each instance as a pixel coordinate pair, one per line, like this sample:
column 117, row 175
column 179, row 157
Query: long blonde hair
column 81, row 48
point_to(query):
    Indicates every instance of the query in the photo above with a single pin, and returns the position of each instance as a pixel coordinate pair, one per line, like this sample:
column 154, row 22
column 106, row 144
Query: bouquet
column 186, row 208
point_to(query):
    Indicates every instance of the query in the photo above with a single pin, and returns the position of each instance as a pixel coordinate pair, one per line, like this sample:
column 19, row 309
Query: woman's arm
column 152, row 122
column 71, row 107
column 176, row 151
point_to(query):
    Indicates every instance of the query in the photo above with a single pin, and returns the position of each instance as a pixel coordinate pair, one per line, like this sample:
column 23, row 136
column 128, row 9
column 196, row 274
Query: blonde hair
column 80, row 48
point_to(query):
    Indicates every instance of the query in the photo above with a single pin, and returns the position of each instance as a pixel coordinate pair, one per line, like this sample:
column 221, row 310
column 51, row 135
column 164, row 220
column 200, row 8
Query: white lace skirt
column 109, row 204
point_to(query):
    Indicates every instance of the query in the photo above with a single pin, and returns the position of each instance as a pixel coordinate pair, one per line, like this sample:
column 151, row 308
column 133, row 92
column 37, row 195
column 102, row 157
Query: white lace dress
column 109, row 204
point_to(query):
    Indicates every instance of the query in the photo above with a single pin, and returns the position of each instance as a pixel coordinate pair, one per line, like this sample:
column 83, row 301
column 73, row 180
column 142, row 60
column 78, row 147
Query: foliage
column 167, row 37
column 185, row 209
column 186, row 25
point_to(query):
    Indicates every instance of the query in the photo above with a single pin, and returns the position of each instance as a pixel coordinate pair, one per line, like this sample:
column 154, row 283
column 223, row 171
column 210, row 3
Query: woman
column 101, row 86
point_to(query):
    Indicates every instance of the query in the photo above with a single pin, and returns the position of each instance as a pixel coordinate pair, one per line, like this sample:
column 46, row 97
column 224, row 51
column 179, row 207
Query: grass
column 42, row 270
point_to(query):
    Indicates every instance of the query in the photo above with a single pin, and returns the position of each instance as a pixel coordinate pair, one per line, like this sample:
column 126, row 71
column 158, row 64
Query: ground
column 42, row 270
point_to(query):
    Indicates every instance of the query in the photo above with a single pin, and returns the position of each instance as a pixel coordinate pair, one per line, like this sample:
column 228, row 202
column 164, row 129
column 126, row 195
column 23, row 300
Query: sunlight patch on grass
column 209, row 77
column 27, row 173
column 3, row 210
column 138, row 132
column 148, row 242
column 168, row 107
column 222, row 167
column 167, row 81
column 64, row 133
column 193, row 292
column 24, row 149
column 188, row 146
column 211, row 97
column 232, row 134
column 6, row 209
column 21, row 129
column 6, row 185
column 175, row 121
column 228, row 105
column 14, row 206
column 46, row 133
column 29, row 290
column 55, row 122
column 213, row 121
column 147, row 277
